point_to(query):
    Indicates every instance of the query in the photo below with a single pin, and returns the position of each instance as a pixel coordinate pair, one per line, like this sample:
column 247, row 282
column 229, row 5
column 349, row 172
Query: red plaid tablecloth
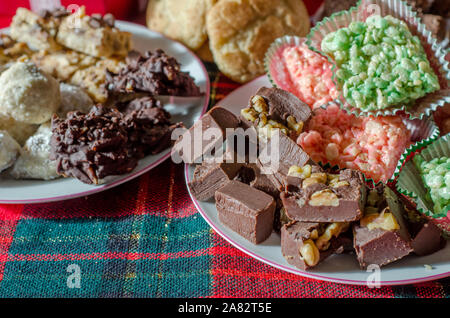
column 146, row 239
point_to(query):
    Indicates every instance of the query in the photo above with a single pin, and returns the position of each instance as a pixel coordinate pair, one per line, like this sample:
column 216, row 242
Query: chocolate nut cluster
column 155, row 73
column 91, row 147
column 108, row 142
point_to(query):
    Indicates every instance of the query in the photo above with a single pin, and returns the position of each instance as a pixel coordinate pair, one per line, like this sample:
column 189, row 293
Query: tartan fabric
column 146, row 239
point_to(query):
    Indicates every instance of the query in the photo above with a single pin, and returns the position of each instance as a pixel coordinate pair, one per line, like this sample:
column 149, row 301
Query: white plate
column 27, row 191
column 336, row 268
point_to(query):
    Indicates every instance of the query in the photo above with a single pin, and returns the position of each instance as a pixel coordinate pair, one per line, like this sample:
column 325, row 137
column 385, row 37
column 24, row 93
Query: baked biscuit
column 241, row 31
column 39, row 32
column 181, row 20
column 94, row 35
column 204, row 53
column 11, row 50
column 62, row 64
column 93, row 78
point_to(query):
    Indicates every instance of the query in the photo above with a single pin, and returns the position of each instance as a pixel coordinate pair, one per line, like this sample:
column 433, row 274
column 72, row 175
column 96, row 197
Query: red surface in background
column 122, row 9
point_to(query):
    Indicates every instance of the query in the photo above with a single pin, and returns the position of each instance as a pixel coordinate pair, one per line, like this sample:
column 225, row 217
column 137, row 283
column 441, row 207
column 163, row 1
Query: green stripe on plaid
column 38, row 259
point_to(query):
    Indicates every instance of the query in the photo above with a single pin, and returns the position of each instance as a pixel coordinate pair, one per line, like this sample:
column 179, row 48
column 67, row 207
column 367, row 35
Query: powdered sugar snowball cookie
column 241, row 31
column 9, row 150
column 27, row 94
column 18, row 130
column 34, row 160
column 73, row 98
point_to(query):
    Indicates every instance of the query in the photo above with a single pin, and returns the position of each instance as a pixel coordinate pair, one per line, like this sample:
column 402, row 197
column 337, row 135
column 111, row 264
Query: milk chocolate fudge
column 381, row 237
column 278, row 155
column 304, row 244
column 246, row 210
column 320, row 197
column 274, row 108
column 260, row 181
column 210, row 177
column 216, row 121
column 154, row 73
column 428, row 240
column 426, row 236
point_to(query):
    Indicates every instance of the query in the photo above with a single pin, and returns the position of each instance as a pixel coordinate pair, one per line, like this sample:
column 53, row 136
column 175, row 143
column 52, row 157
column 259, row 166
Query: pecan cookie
column 181, row 20
column 240, row 32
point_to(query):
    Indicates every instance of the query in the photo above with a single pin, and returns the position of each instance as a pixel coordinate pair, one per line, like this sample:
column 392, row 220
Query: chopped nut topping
column 321, row 177
column 314, row 178
column 332, row 230
column 324, row 198
column 384, row 220
column 310, row 253
column 309, row 181
column 258, row 112
column 298, row 172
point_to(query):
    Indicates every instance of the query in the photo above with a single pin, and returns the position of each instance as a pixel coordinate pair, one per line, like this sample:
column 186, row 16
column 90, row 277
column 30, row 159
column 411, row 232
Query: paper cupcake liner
column 423, row 132
column 410, row 184
column 273, row 62
column 400, row 10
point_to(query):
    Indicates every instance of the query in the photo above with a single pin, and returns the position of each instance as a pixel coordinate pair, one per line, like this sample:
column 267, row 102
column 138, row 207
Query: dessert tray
column 341, row 268
column 185, row 111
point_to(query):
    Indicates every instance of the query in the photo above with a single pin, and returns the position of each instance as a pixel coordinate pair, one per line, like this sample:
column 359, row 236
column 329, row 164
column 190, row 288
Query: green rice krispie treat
column 380, row 63
column 436, row 177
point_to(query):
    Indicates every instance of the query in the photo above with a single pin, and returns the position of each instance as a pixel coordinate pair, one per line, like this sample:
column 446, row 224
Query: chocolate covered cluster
column 154, row 73
column 91, row 146
column 108, row 142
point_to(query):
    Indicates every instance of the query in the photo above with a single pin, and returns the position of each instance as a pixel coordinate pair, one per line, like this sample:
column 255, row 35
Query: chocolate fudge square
column 217, row 120
column 300, row 243
column 274, row 108
column 428, row 240
column 283, row 104
column 381, row 237
column 322, row 197
column 210, row 177
column 247, row 211
column 279, row 154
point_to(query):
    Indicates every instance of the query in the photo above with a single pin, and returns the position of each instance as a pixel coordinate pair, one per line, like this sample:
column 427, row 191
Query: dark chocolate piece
column 208, row 178
column 276, row 158
column 154, row 73
column 323, row 202
column 378, row 245
column 191, row 151
column 148, row 126
column 428, row 240
column 246, row 210
column 295, row 235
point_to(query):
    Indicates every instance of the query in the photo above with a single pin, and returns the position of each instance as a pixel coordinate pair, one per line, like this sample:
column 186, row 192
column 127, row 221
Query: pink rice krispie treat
column 310, row 75
column 370, row 145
